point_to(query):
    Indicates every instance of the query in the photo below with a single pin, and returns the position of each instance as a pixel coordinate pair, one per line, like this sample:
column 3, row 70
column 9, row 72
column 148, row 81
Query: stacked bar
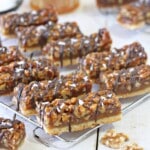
column 127, row 82
column 9, row 22
column 68, row 51
column 129, row 56
column 12, row 133
column 29, row 96
column 24, row 72
column 10, row 54
column 40, row 35
column 112, row 3
column 76, row 114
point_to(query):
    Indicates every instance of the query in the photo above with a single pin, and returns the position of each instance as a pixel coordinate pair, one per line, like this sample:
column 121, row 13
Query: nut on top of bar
column 40, row 35
column 127, row 82
column 10, row 21
column 76, row 47
column 25, row 71
column 75, row 114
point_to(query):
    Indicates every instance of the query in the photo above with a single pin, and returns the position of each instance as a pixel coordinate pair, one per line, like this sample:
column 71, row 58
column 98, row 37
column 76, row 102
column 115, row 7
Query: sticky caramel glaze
column 0, row 42
column 126, row 80
column 24, row 72
column 10, row 21
column 10, row 54
column 112, row 3
column 66, row 112
column 128, row 56
column 12, row 132
column 40, row 35
column 78, row 47
column 72, row 85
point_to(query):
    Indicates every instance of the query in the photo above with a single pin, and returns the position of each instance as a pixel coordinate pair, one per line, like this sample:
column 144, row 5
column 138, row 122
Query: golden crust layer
column 126, row 82
column 128, row 56
column 94, row 108
column 12, row 133
column 77, row 47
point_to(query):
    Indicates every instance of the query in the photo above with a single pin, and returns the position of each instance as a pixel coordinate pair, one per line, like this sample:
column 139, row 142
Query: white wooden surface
column 137, row 122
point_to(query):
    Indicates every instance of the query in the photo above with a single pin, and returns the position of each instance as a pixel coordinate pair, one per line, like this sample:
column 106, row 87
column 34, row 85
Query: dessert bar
column 12, row 133
column 114, row 139
column 75, row 114
column 134, row 15
column 125, row 57
column 68, row 51
column 24, row 72
column 112, row 3
column 72, row 85
column 10, row 54
column 9, row 22
column 37, row 36
column 127, row 82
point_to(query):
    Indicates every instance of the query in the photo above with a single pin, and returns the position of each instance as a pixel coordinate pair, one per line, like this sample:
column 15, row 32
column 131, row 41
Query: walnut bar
column 10, row 54
column 132, row 146
column 68, row 51
column 72, row 85
column 134, row 15
column 127, row 82
column 75, row 114
column 24, row 72
column 40, row 35
column 128, row 56
column 112, row 3
column 9, row 22
column 12, row 133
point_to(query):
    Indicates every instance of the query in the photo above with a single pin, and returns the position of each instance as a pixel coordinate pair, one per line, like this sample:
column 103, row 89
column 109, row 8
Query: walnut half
column 113, row 139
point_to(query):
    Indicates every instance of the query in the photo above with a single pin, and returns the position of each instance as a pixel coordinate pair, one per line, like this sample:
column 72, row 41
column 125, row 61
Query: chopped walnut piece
column 133, row 146
column 113, row 139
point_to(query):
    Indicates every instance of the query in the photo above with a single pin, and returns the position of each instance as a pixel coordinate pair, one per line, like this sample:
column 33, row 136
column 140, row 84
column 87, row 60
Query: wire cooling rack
column 67, row 140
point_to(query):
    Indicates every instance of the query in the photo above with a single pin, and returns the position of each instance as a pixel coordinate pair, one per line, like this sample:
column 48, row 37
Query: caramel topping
column 135, row 13
column 78, row 47
column 128, row 56
column 40, row 35
column 11, row 21
column 126, row 80
column 64, row 87
column 74, row 110
column 26, row 71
